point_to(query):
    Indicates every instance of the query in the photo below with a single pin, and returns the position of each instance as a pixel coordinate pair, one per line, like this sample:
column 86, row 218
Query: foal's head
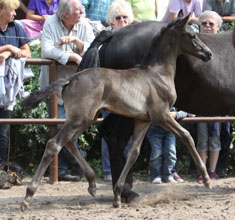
column 175, row 39
column 188, row 42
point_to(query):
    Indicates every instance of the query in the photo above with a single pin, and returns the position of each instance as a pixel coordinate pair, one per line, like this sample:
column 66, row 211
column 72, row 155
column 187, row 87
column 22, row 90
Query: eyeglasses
column 211, row 24
column 118, row 18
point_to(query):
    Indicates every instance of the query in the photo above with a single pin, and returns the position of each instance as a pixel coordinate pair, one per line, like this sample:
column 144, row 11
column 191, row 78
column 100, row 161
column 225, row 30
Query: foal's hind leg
column 138, row 136
column 173, row 126
column 53, row 146
column 86, row 169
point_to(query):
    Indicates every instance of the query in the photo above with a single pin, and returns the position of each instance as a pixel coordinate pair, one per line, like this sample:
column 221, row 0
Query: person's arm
column 7, row 51
column 228, row 19
column 174, row 7
column 32, row 16
column 25, row 51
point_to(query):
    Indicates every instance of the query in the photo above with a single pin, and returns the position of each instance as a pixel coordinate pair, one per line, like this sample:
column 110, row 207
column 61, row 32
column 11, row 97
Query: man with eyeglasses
column 66, row 37
column 225, row 8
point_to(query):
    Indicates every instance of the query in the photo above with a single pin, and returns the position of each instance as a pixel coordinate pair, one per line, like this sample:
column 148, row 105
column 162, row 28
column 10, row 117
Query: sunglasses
column 211, row 24
column 118, row 18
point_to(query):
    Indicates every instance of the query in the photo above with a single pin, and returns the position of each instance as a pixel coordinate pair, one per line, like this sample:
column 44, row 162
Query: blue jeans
column 163, row 153
column 4, row 135
column 65, row 159
column 105, row 152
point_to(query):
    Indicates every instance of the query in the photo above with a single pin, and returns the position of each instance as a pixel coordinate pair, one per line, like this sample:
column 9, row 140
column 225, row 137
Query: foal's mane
column 155, row 42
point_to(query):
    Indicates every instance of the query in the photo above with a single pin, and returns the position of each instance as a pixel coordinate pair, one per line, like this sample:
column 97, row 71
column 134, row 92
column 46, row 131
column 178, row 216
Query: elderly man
column 66, row 37
column 225, row 8
column 13, row 43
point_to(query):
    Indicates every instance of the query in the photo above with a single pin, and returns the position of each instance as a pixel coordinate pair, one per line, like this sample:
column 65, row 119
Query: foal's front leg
column 173, row 126
column 138, row 136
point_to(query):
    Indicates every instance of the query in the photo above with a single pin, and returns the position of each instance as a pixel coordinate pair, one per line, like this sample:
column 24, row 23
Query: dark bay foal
column 145, row 94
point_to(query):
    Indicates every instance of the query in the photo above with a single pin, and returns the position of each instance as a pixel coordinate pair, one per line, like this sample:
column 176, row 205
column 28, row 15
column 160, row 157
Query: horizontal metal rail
column 48, row 121
column 55, row 121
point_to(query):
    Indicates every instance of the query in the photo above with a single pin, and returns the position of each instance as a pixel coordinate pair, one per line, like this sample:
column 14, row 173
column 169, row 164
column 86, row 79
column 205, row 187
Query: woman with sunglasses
column 119, row 14
column 208, row 134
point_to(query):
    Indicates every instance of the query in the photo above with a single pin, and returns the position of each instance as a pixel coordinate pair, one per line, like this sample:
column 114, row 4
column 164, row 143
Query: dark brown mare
column 145, row 93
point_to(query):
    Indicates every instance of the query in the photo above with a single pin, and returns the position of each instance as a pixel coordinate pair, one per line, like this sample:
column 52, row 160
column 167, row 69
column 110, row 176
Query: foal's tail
column 36, row 97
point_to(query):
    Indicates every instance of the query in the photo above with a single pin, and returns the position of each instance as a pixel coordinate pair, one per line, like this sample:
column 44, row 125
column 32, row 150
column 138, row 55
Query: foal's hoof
column 207, row 183
column 24, row 205
column 92, row 191
column 117, row 203
column 128, row 196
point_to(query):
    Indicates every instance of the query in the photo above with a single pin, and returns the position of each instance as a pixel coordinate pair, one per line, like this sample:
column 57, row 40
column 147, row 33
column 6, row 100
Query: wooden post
column 53, row 113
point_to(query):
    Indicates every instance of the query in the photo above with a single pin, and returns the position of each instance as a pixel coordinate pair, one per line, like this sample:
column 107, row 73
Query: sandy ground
column 176, row 201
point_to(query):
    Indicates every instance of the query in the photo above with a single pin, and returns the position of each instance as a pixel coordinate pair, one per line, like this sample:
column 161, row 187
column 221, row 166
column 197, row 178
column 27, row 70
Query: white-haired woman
column 119, row 14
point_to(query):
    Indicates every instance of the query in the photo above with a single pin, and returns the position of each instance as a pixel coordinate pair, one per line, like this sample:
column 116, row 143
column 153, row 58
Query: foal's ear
column 184, row 21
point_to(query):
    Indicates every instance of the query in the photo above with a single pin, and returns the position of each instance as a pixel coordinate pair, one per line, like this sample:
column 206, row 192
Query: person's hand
column 173, row 114
column 16, row 52
column 4, row 55
column 44, row 17
column 67, row 40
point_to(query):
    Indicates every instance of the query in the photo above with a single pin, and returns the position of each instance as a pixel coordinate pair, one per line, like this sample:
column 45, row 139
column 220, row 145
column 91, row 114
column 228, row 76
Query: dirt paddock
column 176, row 201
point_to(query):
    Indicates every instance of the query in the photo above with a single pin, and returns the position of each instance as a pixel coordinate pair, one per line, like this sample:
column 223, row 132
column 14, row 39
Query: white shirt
column 53, row 30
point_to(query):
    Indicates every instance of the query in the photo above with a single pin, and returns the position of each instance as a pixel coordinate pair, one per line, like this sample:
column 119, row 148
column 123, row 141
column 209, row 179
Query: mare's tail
column 91, row 58
column 36, row 97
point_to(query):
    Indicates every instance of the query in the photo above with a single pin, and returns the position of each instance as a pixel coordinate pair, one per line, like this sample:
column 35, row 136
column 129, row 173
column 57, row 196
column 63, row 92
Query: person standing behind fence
column 162, row 160
column 208, row 134
column 66, row 36
column 13, row 43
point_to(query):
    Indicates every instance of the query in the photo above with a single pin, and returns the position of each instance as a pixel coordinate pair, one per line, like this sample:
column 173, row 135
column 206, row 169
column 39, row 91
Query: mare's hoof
column 92, row 191
column 24, row 205
column 128, row 196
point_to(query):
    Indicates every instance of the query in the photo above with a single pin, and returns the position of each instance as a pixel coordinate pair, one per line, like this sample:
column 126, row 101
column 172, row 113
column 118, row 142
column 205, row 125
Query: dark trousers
column 4, row 135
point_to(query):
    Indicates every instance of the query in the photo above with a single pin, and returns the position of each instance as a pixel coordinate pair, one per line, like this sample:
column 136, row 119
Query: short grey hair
column 63, row 8
column 211, row 14
column 119, row 7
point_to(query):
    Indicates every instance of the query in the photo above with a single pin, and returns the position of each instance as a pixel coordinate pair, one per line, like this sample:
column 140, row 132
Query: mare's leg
column 119, row 131
column 138, row 136
column 173, row 126
column 53, row 147
column 86, row 169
